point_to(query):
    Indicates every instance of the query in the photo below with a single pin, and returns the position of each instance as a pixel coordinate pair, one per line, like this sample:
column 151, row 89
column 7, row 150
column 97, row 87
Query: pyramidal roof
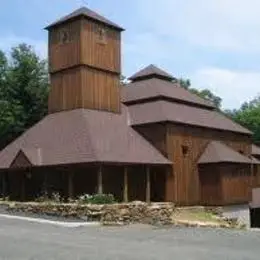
column 166, row 111
column 217, row 152
column 85, row 12
column 153, row 82
column 81, row 136
column 151, row 71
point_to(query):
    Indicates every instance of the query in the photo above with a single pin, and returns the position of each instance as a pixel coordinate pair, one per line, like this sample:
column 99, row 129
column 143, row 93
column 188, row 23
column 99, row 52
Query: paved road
column 22, row 240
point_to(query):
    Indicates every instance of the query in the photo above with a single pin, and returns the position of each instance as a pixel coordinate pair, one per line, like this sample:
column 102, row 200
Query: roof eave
column 219, row 162
column 60, row 22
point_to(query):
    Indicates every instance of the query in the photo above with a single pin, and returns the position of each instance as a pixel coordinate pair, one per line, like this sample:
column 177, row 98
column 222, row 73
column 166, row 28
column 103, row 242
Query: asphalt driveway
column 20, row 240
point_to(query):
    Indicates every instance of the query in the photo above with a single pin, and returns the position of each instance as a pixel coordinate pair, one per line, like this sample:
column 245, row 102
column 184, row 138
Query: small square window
column 102, row 35
column 185, row 150
column 64, row 36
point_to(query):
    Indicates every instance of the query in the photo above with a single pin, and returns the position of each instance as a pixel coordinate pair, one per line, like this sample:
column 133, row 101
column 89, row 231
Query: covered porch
column 125, row 182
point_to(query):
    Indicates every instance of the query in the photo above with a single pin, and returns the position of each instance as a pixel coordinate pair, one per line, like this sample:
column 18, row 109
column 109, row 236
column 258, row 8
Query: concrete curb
column 51, row 222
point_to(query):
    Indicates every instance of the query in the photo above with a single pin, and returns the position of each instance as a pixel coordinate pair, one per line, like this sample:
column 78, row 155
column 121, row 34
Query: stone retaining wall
column 118, row 214
column 136, row 212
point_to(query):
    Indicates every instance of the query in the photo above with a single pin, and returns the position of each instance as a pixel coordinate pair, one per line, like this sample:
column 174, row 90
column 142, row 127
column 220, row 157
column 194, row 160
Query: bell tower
column 84, row 62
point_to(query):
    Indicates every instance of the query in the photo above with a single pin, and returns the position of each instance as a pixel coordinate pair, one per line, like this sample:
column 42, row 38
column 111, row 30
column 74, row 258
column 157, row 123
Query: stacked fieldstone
column 135, row 212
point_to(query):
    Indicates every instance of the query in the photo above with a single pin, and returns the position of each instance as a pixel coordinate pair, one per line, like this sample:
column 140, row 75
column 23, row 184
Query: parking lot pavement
column 20, row 240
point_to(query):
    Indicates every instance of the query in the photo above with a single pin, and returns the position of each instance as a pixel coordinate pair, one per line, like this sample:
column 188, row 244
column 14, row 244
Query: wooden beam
column 4, row 185
column 70, row 185
column 148, row 184
column 125, row 184
column 100, row 181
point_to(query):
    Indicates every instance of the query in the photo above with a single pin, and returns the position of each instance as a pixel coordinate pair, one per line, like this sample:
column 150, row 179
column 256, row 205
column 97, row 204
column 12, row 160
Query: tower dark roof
column 85, row 12
column 151, row 71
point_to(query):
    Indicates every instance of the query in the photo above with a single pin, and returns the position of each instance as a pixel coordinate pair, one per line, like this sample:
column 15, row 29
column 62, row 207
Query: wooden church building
column 149, row 140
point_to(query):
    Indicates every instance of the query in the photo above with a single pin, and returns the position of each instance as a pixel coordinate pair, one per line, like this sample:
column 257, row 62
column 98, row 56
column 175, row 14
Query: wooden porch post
column 148, row 184
column 100, row 180
column 23, row 187
column 70, row 185
column 125, row 184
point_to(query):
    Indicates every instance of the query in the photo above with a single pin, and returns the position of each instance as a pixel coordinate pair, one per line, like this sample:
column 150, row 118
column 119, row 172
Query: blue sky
column 215, row 43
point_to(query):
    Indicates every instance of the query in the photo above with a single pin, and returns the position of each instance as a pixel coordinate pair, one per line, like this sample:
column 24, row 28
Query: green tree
column 185, row 83
column 248, row 115
column 204, row 93
column 24, row 91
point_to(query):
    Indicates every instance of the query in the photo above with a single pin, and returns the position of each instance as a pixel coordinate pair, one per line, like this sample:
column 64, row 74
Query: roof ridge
column 151, row 71
column 86, row 12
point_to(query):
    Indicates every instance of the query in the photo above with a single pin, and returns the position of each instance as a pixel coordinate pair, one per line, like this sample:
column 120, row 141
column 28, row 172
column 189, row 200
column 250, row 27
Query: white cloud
column 10, row 41
column 231, row 25
column 235, row 87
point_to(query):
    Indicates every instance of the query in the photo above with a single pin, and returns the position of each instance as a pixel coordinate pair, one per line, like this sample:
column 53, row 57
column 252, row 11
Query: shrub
column 97, row 199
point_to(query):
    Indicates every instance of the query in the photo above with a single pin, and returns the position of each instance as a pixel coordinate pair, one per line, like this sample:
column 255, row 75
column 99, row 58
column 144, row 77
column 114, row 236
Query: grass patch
column 196, row 215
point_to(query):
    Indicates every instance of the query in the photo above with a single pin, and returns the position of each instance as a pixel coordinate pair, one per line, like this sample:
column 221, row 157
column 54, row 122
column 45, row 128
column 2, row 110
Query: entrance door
column 158, row 179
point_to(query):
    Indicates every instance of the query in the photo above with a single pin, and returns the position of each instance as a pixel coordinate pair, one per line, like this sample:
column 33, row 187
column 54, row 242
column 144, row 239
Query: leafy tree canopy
column 248, row 115
column 204, row 93
column 23, row 91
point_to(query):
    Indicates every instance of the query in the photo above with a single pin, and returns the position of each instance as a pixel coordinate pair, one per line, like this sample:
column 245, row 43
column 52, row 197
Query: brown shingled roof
column 85, row 12
column 217, row 152
column 82, row 136
column 162, row 111
column 156, row 88
column 151, row 71
column 255, row 150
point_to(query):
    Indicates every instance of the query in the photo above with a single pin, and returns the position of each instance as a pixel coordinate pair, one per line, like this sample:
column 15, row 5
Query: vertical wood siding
column 155, row 134
column 66, row 90
column 100, row 90
column 210, row 184
column 185, row 179
column 85, row 73
column 64, row 55
column 83, row 87
column 105, row 55
column 237, row 181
